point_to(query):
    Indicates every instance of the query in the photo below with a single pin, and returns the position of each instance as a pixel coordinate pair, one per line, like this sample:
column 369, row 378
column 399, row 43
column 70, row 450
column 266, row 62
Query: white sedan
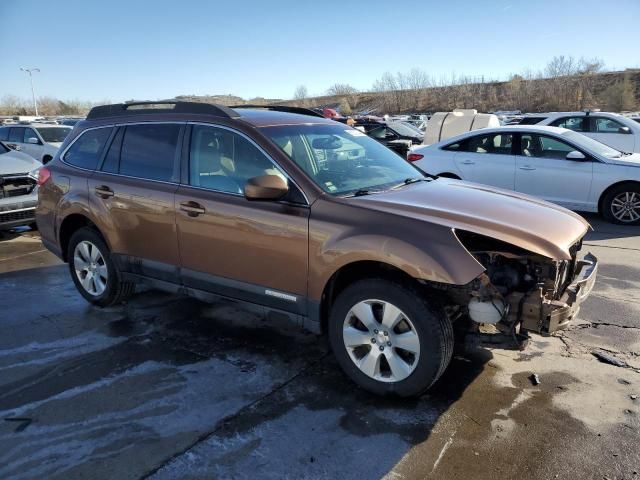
column 556, row 164
column 613, row 129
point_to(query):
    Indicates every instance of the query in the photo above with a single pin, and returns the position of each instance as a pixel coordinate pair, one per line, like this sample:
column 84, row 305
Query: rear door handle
column 527, row 167
column 468, row 162
column 104, row 191
column 193, row 209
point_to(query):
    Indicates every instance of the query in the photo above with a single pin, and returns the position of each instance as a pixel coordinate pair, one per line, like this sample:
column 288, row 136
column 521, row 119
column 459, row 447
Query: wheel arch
column 352, row 272
column 607, row 190
column 70, row 224
column 449, row 175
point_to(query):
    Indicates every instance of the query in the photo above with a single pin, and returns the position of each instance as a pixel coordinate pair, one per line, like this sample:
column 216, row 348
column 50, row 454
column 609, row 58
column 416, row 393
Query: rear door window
column 577, row 124
column 150, row 151
column 496, row 143
column 85, row 151
column 16, row 134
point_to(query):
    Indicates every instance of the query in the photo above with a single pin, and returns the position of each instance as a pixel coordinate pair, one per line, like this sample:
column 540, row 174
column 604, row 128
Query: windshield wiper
column 363, row 191
column 409, row 181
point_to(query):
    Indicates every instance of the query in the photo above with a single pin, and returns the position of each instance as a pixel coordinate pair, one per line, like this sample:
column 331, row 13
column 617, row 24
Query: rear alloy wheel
column 388, row 338
column 96, row 277
column 90, row 267
column 622, row 205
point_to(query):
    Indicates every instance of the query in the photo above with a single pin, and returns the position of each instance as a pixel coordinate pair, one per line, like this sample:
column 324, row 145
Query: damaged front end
column 520, row 291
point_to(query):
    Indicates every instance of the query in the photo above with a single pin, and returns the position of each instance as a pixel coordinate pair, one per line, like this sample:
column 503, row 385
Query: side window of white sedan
column 541, row 146
column 607, row 125
column 577, row 124
column 496, row 143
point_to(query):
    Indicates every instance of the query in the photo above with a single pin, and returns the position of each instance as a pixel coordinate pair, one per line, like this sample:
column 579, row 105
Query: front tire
column 388, row 338
column 95, row 275
column 622, row 205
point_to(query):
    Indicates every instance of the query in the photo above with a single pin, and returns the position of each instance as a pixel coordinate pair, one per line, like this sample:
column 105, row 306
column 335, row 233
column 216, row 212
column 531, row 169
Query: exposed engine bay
column 520, row 291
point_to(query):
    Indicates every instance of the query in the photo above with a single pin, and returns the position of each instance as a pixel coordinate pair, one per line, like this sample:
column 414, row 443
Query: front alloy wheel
column 381, row 340
column 625, row 207
column 390, row 337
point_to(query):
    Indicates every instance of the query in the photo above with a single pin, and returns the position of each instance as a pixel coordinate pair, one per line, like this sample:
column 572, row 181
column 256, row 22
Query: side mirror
column 266, row 187
column 33, row 140
column 575, row 155
column 624, row 130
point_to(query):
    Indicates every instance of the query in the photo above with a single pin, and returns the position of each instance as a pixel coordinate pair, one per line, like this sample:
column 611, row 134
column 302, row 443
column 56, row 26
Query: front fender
column 423, row 251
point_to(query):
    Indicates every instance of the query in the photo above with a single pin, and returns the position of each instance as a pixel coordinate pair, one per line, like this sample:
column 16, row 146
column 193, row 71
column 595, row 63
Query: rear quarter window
column 85, row 151
column 4, row 134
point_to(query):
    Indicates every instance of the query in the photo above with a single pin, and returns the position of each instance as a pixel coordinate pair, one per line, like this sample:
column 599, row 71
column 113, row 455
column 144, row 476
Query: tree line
column 565, row 83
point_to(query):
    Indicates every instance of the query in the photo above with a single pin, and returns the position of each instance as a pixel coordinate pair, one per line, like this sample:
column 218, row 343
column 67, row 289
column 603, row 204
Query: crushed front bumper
column 19, row 210
column 553, row 315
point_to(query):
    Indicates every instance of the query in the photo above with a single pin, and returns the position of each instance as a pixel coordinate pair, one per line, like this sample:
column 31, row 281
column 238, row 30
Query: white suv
column 40, row 141
column 617, row 131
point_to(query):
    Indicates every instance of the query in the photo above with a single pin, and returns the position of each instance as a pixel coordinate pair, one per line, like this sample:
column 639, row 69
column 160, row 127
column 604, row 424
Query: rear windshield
column 54, row 134
column 531, row 120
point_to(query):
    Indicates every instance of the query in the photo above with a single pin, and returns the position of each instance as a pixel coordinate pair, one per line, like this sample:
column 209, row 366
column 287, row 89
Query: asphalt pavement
column 167, row 387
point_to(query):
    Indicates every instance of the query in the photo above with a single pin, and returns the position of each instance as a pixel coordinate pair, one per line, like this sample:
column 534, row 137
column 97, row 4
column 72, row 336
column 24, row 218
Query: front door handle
column 104, row 191
column 468, row 162
column 527, row 167
column 193, row 209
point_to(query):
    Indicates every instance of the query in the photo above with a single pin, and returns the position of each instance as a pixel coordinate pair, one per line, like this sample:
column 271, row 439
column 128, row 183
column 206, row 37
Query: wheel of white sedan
column 622, row 204
column 388, row 338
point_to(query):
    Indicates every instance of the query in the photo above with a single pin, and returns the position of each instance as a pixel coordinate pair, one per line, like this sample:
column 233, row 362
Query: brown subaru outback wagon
column 308, row 218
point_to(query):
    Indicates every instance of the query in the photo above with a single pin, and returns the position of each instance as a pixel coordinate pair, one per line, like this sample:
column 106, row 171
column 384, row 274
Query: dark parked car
column 239, row 203
column 393, row 135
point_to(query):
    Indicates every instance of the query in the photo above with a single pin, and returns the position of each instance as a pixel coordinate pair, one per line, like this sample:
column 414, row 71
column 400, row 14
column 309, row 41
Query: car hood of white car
column 17, row 162
column 55, row 144
column 632, row 160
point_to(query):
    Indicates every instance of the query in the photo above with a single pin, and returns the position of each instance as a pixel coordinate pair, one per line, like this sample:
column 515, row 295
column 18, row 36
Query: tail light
column 44, row 174
column 414, row 157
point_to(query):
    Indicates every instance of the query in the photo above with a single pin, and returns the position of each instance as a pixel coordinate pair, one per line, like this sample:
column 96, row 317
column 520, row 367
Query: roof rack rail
column 164, row 106
column 284, row 108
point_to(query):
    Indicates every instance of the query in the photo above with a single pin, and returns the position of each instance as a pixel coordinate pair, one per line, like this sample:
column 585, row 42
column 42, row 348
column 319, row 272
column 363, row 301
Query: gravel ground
column 167, row 387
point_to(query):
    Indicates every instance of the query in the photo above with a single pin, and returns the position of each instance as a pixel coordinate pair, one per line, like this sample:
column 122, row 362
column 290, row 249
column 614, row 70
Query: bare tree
column 300, row 93
column 341, row 89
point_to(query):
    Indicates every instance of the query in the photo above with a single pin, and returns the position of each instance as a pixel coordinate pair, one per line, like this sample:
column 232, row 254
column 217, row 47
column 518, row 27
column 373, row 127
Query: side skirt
column 274, row 315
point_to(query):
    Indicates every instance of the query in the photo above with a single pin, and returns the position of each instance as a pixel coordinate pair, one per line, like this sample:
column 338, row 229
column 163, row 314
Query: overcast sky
column 119, row 50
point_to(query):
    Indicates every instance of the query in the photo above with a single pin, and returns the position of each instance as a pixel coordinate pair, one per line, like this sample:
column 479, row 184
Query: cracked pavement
column 166, row 387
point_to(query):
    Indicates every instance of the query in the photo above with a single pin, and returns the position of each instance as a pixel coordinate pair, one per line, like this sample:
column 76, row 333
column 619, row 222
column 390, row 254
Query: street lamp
column 33, row 95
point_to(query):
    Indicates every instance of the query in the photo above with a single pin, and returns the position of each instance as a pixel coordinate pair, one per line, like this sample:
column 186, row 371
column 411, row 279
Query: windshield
column 592, row 145
column 342, row 160
column 54, row 134
column 403, row 129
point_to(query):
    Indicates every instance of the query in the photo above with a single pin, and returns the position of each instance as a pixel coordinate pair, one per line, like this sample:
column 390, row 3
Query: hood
column 632, row 160
column 17, row 162
column 55, row 144
column 527, row 222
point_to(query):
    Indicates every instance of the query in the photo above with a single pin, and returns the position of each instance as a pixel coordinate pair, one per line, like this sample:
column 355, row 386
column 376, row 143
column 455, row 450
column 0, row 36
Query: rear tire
column 621, row 204
column 95, row 275
column 405, row 359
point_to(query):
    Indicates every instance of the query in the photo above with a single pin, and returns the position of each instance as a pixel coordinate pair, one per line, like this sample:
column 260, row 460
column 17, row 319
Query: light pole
column 33, row 95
